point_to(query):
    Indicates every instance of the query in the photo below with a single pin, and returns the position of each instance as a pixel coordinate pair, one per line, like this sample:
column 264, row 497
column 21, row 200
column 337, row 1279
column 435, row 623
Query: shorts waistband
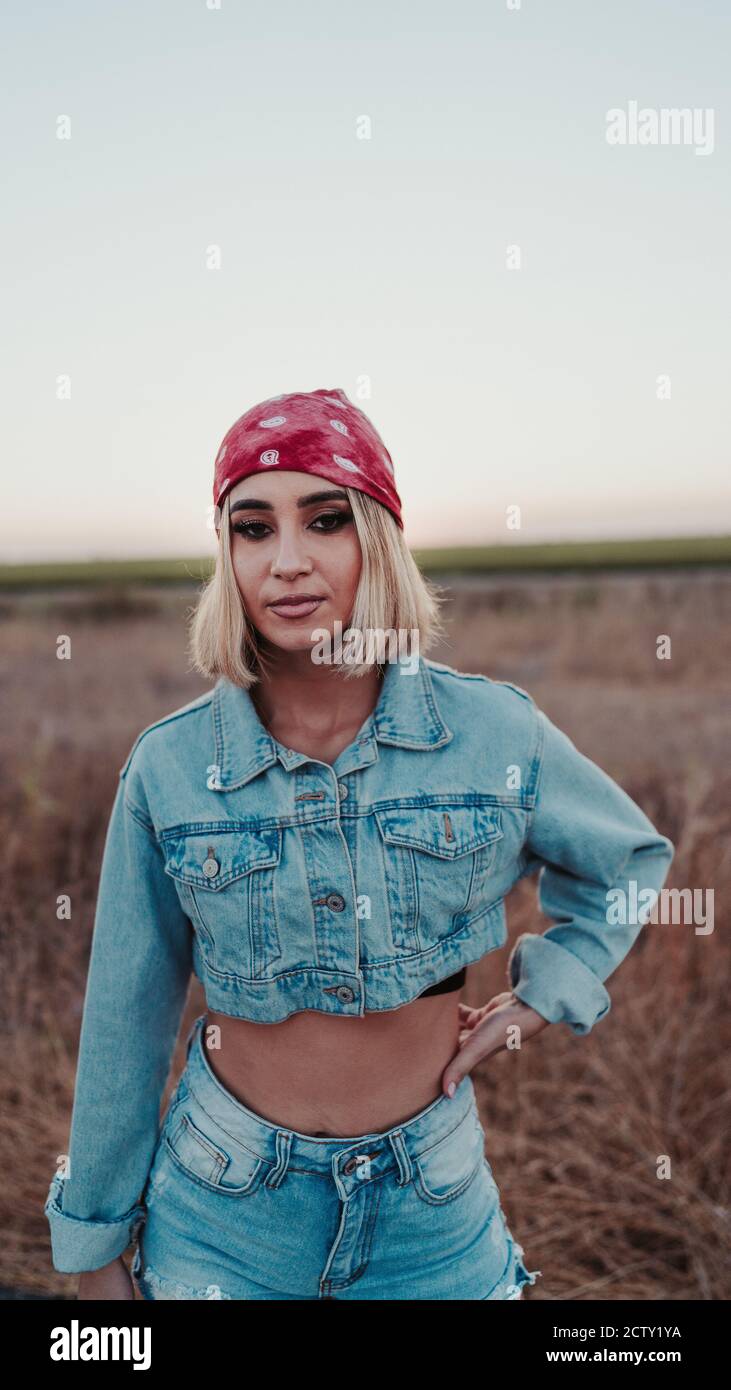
column 371, row 1154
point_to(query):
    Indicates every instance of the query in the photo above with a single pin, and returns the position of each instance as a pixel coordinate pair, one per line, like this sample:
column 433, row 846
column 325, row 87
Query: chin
column 289, row 641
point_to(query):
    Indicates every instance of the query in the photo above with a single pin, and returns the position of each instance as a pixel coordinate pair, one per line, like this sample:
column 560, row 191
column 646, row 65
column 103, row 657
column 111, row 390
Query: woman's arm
column 597, row 850
column 592, row 842
column 112, row 1282
column 139, row 971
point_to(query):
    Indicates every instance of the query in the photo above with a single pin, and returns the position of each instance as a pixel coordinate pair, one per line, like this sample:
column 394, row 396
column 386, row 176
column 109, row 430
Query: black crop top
column 446, row 986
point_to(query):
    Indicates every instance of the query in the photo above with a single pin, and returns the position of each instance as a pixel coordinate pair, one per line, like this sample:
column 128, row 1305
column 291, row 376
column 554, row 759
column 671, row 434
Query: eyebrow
column 255, row 503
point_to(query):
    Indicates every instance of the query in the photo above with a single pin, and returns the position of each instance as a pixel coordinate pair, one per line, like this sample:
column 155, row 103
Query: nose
column 291, row 556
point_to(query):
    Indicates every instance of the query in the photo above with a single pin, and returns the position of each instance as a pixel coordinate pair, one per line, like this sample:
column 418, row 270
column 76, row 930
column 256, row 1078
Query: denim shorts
column 238, row 1207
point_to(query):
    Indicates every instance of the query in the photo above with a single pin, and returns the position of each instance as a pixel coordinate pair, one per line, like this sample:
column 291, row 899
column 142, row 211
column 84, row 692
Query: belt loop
column 396, row 1139
column 191, row 1033
column 284, row 1143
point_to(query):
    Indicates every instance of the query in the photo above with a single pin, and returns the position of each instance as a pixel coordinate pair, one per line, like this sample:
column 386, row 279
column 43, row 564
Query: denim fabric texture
column 285, row 883
column 238, row 1208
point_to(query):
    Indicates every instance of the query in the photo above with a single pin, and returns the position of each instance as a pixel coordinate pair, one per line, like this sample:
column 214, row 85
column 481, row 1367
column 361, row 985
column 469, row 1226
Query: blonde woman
column 326, row 838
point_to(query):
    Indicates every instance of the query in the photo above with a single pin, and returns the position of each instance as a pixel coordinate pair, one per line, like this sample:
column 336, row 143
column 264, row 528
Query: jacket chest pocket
column 227, row 886
column 438, row 863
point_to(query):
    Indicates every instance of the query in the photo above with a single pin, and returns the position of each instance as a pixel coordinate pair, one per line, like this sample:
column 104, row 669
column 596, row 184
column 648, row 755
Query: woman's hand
column 114, row 1281
column 484, row 1031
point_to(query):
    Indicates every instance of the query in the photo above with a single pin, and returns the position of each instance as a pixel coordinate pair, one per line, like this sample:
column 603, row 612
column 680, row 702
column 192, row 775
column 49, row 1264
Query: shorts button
column 350, row 1166
column 345, row 994
column 335, row 901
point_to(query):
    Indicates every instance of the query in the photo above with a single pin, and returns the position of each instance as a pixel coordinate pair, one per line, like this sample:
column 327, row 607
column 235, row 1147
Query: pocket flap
column 445, row 829
column 212, row 858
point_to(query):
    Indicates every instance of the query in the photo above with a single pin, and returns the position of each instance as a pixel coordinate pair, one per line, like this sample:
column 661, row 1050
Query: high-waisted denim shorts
column 238, row 1207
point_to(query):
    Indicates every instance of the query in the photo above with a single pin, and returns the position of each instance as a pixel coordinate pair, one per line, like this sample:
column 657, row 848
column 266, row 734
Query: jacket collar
column 406, row 716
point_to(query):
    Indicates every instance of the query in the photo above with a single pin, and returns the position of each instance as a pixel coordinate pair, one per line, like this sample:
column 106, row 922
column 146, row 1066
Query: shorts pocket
column 204, row 1153
column 444, row 1171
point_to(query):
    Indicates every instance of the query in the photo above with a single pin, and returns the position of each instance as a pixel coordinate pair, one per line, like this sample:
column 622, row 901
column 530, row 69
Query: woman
column 326, row 838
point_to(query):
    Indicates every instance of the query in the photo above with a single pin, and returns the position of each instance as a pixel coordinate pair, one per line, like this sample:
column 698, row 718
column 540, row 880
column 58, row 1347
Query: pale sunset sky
column 589, row 385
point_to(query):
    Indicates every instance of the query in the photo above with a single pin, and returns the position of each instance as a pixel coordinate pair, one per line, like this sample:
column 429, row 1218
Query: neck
column 295, row 691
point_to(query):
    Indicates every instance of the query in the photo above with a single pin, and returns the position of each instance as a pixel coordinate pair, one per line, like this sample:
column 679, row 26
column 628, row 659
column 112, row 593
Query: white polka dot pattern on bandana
column 338, row 425
column 347, row 464
column 269, row 457
column 272, row 421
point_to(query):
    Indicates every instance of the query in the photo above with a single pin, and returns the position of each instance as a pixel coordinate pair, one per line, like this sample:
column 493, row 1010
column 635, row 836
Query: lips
column 290, row 599
column 296, row 605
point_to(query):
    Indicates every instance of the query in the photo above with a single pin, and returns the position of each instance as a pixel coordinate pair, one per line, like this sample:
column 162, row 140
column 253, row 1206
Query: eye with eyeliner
column 340, row 519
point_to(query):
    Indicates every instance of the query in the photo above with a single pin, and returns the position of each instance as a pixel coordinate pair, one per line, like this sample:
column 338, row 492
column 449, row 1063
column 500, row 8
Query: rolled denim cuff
column 79, row 1244
column 555, row 983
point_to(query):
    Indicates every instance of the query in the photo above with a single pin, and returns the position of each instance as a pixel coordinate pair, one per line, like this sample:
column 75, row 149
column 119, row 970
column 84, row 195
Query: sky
column 264, row 198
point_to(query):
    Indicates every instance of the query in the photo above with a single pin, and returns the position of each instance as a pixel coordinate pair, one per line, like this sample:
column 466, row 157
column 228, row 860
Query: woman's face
column 293, row 534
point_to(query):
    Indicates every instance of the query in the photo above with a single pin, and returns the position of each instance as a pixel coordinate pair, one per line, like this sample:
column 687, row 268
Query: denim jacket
column 286, row 884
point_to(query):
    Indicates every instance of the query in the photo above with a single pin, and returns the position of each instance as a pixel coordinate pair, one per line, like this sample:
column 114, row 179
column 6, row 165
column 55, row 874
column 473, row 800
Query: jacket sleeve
column 598, row 852
column 139, row 971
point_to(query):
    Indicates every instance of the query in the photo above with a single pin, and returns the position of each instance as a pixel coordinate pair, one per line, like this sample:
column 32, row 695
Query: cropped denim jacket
column 286, row 884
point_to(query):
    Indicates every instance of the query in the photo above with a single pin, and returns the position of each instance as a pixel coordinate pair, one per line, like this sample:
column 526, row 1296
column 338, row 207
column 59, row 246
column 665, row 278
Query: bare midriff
column 337, row 1077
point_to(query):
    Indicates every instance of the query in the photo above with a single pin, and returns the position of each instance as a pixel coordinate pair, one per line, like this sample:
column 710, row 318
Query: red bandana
column 317, row 432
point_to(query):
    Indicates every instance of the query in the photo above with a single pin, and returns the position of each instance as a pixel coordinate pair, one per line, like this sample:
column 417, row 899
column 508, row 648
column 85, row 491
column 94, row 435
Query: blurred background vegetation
column 574, row 1126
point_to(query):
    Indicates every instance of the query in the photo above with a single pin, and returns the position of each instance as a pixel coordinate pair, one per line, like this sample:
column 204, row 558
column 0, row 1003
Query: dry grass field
column 575, row 1125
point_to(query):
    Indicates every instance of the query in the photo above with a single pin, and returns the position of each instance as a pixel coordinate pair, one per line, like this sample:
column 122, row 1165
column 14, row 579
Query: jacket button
column 345, row 994
column 335, row 901
column 343, row 789
column 210, row 866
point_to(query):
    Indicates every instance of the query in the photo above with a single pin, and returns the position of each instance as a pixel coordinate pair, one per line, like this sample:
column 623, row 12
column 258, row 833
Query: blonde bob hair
column 392, row 596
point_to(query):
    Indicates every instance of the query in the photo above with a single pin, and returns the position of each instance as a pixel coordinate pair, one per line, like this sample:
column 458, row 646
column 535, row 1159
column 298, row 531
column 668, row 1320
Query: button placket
column 327, row 858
